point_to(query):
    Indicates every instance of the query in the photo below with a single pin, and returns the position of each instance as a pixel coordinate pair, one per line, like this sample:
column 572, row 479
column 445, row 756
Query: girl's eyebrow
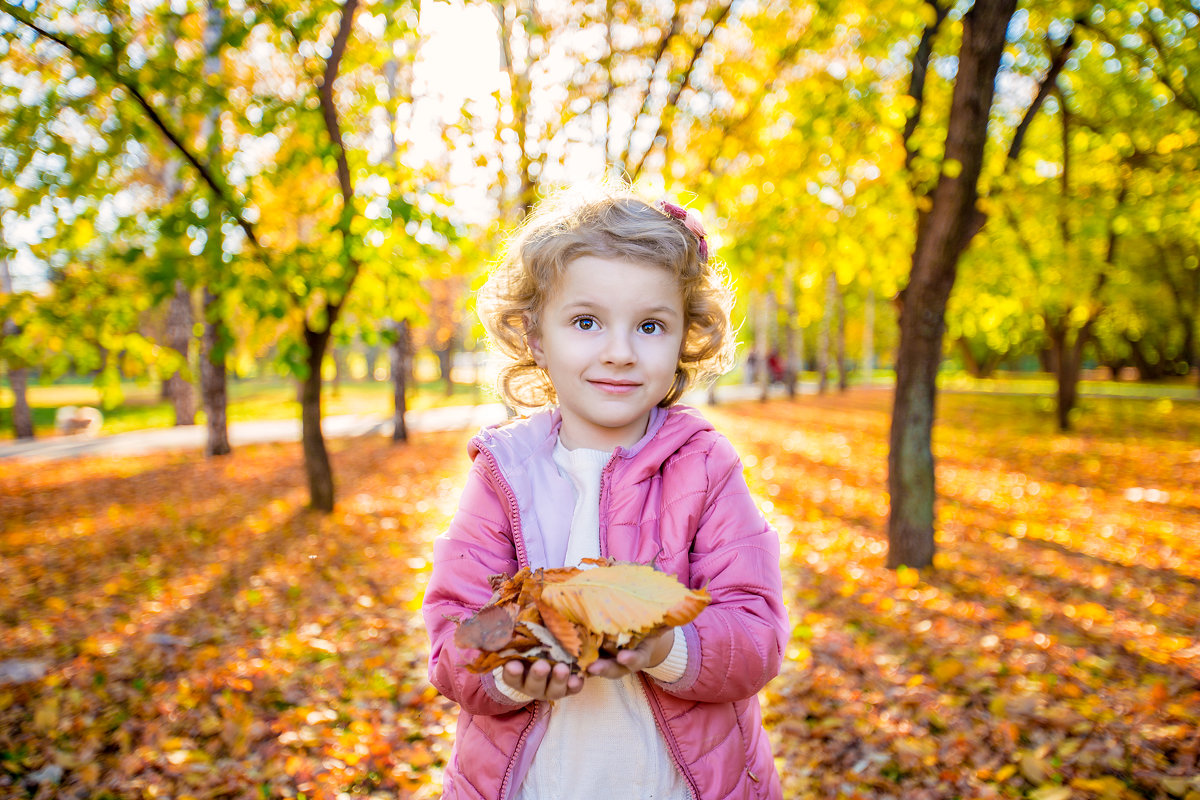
column 591, row 305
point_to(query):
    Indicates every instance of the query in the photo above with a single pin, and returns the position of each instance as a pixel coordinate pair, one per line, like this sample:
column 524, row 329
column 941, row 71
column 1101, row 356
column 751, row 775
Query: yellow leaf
column 1106, row 787
column 1051, row 791
column 1176, row 786
column 1034, row 768
column 45, row 719
column 625, row 598
column 947, row 670
column 907, row 576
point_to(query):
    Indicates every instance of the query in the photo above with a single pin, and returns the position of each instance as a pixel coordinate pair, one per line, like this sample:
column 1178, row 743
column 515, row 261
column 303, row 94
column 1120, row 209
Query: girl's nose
column 618, row 349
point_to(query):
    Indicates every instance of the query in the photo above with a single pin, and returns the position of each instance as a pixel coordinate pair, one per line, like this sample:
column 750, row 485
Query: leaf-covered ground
column 172, row 627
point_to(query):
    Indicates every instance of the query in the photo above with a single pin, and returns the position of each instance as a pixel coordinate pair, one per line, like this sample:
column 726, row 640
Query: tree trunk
column 445, row 357
column 22, row 416
column 1148, row 370
column 316, row 457
column 18, row 377
column 372, row 354
column 1068, row 365
column 968, row 356
column 868, row 363
column 340, row 367
column 212, row 379
column 179, row 338
column 1189, row 341
column 943, row 232
column 762, row 346
column 978, row 366
column 843, row 374
column 789, row 356
column 400, row 351
column 823, row 335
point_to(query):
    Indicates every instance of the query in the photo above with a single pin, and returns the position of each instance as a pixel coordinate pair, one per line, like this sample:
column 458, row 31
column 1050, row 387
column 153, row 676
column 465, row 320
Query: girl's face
column 610, row 337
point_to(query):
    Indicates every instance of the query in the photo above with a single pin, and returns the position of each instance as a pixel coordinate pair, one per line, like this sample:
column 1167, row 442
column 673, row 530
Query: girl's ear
column 534, row 341
column 535, row 346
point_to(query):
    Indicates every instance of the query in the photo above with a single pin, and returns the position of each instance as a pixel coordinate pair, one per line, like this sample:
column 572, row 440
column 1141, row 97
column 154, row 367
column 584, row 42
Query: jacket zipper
column 605, row 486
column 504, row 787
column 655, row 709
column 522, row 561
column 514, row 518
column 672, row 746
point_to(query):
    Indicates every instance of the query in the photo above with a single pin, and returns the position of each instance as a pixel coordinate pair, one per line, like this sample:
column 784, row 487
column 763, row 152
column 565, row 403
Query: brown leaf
column 563, row 629
column 490, row 629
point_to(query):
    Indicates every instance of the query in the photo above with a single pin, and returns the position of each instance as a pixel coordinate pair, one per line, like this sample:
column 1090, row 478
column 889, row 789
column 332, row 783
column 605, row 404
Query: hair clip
column 690, row 220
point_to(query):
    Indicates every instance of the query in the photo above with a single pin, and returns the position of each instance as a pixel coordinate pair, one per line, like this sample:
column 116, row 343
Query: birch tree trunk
column 840, row 304
column 179, row 338
column 213, row 379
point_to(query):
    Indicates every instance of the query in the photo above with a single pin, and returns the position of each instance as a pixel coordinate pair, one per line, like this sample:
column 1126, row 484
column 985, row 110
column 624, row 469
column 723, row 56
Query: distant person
column 608, row 309
column 775, row 367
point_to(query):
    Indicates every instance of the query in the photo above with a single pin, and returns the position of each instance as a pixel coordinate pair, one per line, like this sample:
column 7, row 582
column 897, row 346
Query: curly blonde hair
column 618, row 224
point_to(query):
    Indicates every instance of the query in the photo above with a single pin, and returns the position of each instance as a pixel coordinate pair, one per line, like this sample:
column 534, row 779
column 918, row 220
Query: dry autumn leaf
column 571, row 615
column 625, row 598
column 490, row 629
column 153, row 606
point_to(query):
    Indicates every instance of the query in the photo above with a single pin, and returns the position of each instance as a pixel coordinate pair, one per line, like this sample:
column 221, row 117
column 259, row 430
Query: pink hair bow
column 690, row 220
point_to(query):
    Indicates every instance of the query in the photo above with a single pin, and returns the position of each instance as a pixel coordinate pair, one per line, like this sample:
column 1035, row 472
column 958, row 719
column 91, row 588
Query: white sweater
column 603, row 742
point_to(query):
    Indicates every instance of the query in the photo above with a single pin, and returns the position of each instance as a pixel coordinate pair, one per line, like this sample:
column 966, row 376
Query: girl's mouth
column 614, row 387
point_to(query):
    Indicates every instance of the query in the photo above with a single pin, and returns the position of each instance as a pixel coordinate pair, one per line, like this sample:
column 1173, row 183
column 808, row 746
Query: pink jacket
column 677, row 498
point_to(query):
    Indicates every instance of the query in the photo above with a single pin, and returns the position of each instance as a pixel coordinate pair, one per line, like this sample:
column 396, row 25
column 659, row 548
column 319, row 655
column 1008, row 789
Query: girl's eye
column 585, row 323
column 650, row 326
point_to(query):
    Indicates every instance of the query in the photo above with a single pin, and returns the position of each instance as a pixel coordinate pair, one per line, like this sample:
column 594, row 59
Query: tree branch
column 333, row 128
column 329, row 107
column 170, row 135
column 644, row 106
column 1181, row 93
column 916, row 86
column 1057, row 61
column 685, row 80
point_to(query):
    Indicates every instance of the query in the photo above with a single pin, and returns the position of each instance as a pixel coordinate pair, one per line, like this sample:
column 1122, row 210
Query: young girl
column 609, row 310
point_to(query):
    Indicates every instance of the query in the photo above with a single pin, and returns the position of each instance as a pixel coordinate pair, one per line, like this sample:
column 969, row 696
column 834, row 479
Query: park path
column 465, row 417
column 192, row 437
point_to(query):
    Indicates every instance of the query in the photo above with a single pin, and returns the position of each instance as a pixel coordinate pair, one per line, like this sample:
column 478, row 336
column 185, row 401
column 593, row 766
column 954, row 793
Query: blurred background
column 260, row 192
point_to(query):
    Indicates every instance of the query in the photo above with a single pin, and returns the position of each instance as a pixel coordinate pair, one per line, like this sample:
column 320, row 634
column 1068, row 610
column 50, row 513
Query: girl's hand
column 651, row 652
column 542, row 680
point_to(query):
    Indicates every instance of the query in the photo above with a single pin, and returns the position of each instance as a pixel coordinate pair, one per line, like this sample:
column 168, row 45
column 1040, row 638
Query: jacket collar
column 515, row 442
